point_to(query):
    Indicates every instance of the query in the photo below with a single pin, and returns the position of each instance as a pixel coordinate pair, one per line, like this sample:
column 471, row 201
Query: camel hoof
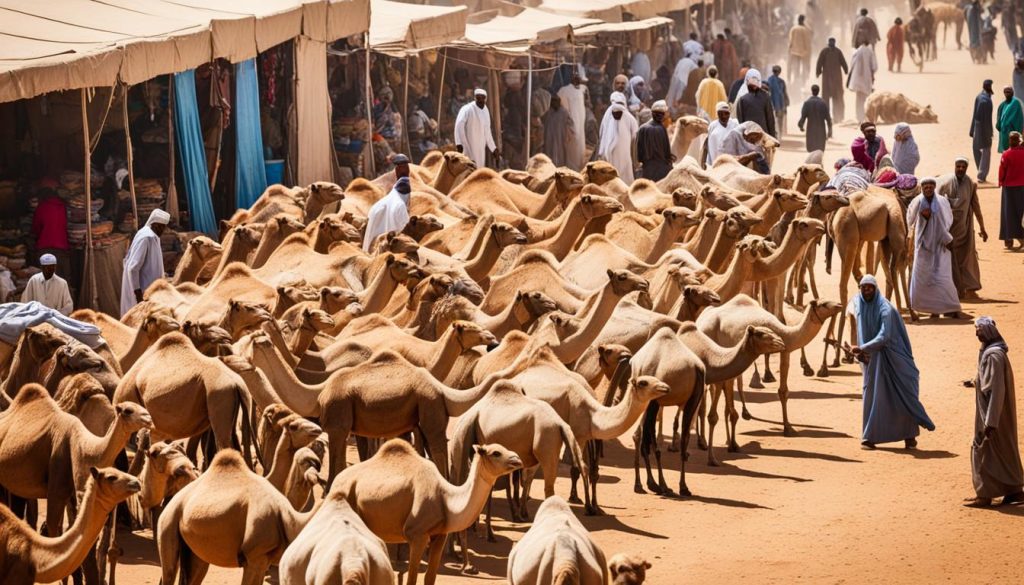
column 667, row 492
column 471, row 570
column 823, row 371
column 734, row 448
column 755, row 381
column 655, row 488
column 789, row 431
column 746, row 414
column 684, row 492
column 835, row 362
column 808, row 372
column 768, row 376
column 594, row 511
column 673, row 447
column 638, row 489
column 847, row 360
column 574, row 499
column 702, row 443
column 712, row 462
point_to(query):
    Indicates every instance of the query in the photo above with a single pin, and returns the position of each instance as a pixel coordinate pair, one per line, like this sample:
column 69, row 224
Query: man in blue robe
column 892, row 410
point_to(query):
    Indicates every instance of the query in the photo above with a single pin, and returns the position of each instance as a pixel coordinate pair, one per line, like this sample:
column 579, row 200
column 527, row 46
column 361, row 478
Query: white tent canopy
column 397, row 28
column 515, row 29
column 610, row 10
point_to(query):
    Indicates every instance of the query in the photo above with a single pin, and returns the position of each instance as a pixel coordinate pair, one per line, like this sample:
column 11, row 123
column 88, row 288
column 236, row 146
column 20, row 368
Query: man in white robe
column 616, row 144
column 47, row 288
column 717, row 132
column 573, row 98
column 473, row 135
column 744, row 143
column 390, row 214
column 863, row 66
column 931, row 284
column 680, row 77
column 145, row 260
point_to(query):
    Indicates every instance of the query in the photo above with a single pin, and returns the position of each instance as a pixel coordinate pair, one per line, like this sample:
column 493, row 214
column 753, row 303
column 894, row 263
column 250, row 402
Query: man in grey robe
column 995, row 455
column 559, row 133
column 832, row 68
column 653, row 150
column 962, row 193
column 815, row 121
column 931, row 281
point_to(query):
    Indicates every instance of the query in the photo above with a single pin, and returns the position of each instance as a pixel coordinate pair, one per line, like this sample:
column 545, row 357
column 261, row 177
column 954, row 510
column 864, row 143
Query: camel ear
column 119, row 409
column 459, row 327
column 610, row 273
column 750, row 329
column 814, row 303
column 613, row 567
column 479, row 450
column 585, row 199
column 519, row 295
column 95, row 473
column 494, row 228
column 390, row 259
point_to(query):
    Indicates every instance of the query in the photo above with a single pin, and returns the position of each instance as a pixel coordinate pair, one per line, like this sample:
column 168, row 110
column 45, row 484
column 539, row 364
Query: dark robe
column 558, row 133
column 963, row 201
column 734, row 90
column 756, row 107
column 653, row 151
column 692, row 83
column 995, row 462
column 832, row 69
column 818, row 123
column 726, row 61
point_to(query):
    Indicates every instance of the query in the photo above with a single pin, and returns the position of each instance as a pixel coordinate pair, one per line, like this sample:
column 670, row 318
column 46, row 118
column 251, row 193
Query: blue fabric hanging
column 250, row 171
column 192, row 153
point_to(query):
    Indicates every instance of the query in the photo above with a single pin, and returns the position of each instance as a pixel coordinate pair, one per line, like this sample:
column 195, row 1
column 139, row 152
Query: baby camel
column 557, row 549
column 402, row 497
column 628, row 569
column 27, row 557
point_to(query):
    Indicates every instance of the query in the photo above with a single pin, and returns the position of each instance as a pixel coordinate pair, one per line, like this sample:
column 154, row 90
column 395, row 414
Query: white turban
column 659, row 106
column 722, row 107
column 479, row 91
column 47, row 260
column 617, row 97
column 158, row 216
column 927, row 180
column 961, row 159
column 753, row 77
column 616, row 107
column 869, row 279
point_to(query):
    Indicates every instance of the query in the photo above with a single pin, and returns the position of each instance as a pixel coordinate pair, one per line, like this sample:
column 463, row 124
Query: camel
column 520, row 314
column 501, row 196
column 499, row 236
column 336, row 548
column 454, row 169
column 165, row 470
column 304, row 204
column 726, row 323
column 296, row 433
column 403, row 498
column 557, row 549
column 82, row 396
column 736, row 226
column 35, row 346
column 535, row 176
column 649, row 243
column 209, row 340
column 819, row 206
column 155, row 324
column 887, row 107
column 238, row 244
column 275, row 231
column 648, row 198
column 628, row 569
column 47, row 452
column 779, row 203
column 742, row 178
column 947, row 15
column 199, row 252
column 310, row 323
column 229, row 517
column 420, row 226
column 685, row 130
column 303, row 475
column 29, row 557
column 197, row 393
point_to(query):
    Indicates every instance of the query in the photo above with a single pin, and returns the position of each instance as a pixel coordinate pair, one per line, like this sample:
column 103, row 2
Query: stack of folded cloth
column 149, row 195
column 8, row 197
column 171, row 248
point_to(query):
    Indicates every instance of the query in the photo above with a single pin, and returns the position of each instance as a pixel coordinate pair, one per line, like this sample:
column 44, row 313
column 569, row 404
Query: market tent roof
column 397, row 27
column 68, row 44
column 610, row 10
column 516, row 28
column 623, row 27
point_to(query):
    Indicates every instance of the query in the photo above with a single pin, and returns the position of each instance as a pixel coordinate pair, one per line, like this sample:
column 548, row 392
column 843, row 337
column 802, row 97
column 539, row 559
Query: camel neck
column 140, row 343
column 722, row 250
column 610, row 422
column 572, row 347
column 282, row 463
column 189, row 268
column 799, row 335
column 272, row 238
column 571, row 224
column 734, row 277
column 787, row 254
column 505, row 321
column 55, row 558
column 465, row 501
column 720, row 363
column 378, row 293
column 101, row 451
column 481, row 263
column 661, row 241
column 445, row 351
column 314, row 206
column 234, row 251
column 301, row 398
column 700, row 245
column 302, row 339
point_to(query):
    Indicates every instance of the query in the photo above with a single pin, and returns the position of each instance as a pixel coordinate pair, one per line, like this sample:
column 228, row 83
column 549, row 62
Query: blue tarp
column 192, row 153
column 250, row 171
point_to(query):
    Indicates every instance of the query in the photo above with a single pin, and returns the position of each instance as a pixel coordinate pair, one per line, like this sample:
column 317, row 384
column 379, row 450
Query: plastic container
column 275, row 171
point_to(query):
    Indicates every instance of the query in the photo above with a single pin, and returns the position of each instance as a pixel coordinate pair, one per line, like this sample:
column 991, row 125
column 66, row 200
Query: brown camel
column 296, row 433
column 628, row 569
column 156, row 323
column 557, row 549
column 274, row 232
column 35, row 346
column 229, row 517
column 303, row 476
column 403, row 498
column 82, row 396
column 199, row 252
column 28, row 557
column 166, row 469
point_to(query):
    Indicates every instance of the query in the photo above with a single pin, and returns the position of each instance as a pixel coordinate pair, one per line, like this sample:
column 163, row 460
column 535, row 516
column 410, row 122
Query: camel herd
column 519, row 318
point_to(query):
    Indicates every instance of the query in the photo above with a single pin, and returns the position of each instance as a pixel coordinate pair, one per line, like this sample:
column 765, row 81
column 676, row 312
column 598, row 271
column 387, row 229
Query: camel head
column 701, row 296
column 204, row 248
column 827, row 201
column 691, row 127
column 567, row 180
column 628, row 569
column 333, row 228
column 789, row 200
column 680, row 218
column 763, row 340
column 806, row 229
column 533, row 304
column 298, row 430
column 471, row 334
column 285, row 225
column 613, row 354
column 401, row 268
column 744, row 215
column 336, row 298
column 210, row 341
column 683, row 276
column 398, row 243
column 159, row 322
column 430, row 288
column 648, row 388
column 319, row 446
column 111, row 486
column 824, row 310
column 715, row 198
column 598, row 206
column 242, row 315
column 919, row 115
column 599, row 172
column 316, row 319
column 751, row 248
column 169, row 459
column 684, row 198
column 809, row 174
column 323, row 192
column 496, row 461
column 457, row 163
column 624, row 282
column 421, row 225
column 239, row 364
column 77, row 357
column 289, row 295
column 133, row 416
column 42, row 341
column 505, row 235
column 307, row 466
column 565, row 324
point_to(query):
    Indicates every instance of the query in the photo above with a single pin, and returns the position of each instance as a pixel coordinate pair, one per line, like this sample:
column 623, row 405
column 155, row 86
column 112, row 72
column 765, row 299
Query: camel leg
column 730, row 409
column 574, row 477
column 768, row 375
column 743, row 398
column 637, row 486
column 844, row 278
column 434, row 558
column 416, row 547
column 787, row 429
column 716, row 393
column 253, row 572
column 522, row 513
column 436, row 442
column 591, row 476
column 702, row 426
column 673, row 447
column 804, row 364
column 756, row 381
column 649, row 441
column 689, row 409
column 823, row 370
column 337, row 447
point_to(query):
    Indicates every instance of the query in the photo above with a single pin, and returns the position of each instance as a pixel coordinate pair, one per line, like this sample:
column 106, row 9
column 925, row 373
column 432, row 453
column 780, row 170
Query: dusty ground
column 815, row 508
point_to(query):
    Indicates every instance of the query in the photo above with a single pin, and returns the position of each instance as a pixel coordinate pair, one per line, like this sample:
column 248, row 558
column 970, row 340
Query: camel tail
column 567, row 571
column 245, row 405
column 573, row 446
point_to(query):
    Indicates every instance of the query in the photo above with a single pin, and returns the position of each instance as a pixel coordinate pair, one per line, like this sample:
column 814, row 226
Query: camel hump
column 86, row 315
column 538, row 257
column 235, row 269
column 228, row 459
column 31, row 392
column 397, row 448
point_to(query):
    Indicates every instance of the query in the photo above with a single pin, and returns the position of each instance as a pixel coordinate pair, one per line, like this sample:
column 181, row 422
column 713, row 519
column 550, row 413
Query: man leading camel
column 962, row 193
column 145, row 260
column 892, row 409
column 473, row 130
column 931, row 282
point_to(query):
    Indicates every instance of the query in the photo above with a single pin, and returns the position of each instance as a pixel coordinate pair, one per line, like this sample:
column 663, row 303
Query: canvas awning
column 515, row 29
column 611, row 28
column 69, row 44
column 397, row 28
column 610, row 10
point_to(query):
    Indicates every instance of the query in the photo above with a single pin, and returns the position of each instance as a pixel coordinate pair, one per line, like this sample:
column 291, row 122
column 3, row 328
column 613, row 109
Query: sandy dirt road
column 816, row 508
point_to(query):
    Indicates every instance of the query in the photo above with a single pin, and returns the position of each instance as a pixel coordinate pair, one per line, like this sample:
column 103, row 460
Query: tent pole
column 172, row 191
column 90, row 269
column 369, row 111
column 440, row 91
column 529, row 104
column 131, row 158
column 405, row 109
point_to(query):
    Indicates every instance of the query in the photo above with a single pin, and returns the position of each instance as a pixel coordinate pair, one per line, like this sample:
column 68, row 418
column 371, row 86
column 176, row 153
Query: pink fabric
column 50, row 224
column 859, row 149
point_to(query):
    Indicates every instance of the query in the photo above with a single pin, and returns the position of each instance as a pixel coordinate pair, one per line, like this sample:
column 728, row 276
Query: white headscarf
column 905, row 154
column 158, row 216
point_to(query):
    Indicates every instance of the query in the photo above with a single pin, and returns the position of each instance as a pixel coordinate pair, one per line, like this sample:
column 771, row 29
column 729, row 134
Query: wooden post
column 369, row 112
column 405, row 110
column 130, row 157
column 89, row 259
column 172, row 191
column 440, row 92
column 529, row 104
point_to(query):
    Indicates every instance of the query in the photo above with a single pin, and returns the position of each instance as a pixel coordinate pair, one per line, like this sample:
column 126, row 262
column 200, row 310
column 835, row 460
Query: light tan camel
column 628, row 569
column 304, row 204
column 684, row 131
column 556, row 550
column 82, row 396
column 336, row 548
column 296, row 433
column 486, row 254
column 535, row 176
column 275, row 231
column 239, row 243
column 778, row 203
column 29, row 557
column 726, row 323
column 209, row 340
column 403, row 498
column 47, row 452
column 197, row 393
column 156, row 323
column 632, row 233
column 819, row 206
column 229, row 517
column 533, row 276
column 165, row 470
column 521, row 313
column 35, row 346
column 310, row 324
column 199, row 252
column 303, row 476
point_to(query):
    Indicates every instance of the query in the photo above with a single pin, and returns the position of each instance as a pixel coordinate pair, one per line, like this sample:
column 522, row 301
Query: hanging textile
column 192, row 152
column 250, row 172
column 313, row 122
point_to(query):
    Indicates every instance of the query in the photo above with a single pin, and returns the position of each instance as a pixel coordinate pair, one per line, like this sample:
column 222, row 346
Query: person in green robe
column 1009, row 118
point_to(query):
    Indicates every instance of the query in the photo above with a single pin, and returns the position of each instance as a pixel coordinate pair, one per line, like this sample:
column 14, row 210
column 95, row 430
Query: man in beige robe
column 962, row 192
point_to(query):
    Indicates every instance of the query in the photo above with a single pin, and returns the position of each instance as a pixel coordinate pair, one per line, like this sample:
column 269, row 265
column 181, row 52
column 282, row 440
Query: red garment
column 894, row 48
column 1011, row 167
column 50, row 224
column 859, row 149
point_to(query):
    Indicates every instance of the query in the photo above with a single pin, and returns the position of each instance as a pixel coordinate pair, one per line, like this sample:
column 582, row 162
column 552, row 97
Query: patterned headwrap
column 987, row 331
